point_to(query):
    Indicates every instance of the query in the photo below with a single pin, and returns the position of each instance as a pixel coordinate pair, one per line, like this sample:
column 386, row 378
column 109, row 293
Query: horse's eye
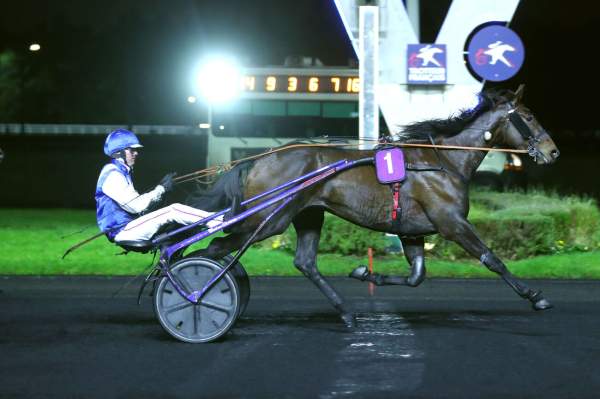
column 528, row 118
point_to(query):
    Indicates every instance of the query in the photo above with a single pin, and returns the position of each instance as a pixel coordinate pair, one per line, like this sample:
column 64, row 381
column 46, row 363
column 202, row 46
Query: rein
column 214, row 170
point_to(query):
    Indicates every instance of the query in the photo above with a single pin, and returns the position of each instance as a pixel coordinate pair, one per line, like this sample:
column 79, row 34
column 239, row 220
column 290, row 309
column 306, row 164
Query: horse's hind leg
column 308, row 224
column 414, row 253
column 463, row 233
column 222, row 246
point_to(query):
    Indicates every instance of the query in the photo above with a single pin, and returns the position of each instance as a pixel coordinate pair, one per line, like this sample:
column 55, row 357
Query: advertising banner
column 426, row 64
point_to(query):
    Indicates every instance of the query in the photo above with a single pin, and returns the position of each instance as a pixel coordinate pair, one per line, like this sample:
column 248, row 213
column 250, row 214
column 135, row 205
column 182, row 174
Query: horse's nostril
column 554, row 153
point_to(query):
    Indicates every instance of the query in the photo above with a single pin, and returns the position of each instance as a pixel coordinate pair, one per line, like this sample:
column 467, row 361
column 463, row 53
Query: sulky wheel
column 206, row 321
column 239, row 272
column 242, row 279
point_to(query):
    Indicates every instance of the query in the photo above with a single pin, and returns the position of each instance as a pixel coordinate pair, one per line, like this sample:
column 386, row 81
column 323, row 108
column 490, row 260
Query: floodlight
column 34, row 47
column 219, row 80
column 191, row 99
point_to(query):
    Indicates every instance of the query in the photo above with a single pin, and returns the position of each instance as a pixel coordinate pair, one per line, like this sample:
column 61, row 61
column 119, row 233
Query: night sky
column 130, row 61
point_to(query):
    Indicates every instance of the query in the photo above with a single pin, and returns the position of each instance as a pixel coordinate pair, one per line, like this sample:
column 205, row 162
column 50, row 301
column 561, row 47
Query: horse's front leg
column 414, row 253
column 463, row 233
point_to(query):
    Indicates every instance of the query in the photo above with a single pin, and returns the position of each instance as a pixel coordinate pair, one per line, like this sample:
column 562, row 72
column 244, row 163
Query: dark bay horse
column 434, row 196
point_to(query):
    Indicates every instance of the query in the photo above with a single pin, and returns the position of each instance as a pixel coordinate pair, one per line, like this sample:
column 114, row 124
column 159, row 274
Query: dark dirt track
column 67, row 338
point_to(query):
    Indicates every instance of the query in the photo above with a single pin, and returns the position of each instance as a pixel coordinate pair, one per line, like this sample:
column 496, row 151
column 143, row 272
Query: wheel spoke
column 196, row 319
column 217, row 306
column 181, row 281
column 178, row 306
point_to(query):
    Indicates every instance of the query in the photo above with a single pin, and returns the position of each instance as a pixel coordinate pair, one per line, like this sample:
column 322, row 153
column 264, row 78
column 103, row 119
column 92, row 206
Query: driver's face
column 130, row 156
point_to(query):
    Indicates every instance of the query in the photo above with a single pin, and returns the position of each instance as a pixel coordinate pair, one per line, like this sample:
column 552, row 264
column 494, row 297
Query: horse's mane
column 453, row 125
column 317, row 140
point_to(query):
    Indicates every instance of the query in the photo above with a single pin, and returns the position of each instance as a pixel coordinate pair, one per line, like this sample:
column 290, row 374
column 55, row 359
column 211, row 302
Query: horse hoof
column 360, row 273
column 542, row 304
column 349, row 320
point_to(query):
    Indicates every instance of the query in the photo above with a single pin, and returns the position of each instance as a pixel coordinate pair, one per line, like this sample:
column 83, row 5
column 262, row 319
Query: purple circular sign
column 496, row 53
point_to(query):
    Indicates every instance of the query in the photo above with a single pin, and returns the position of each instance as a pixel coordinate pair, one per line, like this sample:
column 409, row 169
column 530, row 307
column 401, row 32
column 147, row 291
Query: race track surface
column 68, row 338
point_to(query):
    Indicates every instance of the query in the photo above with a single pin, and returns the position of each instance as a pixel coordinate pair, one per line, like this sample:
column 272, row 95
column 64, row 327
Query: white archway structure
column 401, row 103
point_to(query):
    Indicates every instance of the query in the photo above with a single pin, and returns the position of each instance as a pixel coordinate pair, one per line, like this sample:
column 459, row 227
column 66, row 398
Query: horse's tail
column 228, row 191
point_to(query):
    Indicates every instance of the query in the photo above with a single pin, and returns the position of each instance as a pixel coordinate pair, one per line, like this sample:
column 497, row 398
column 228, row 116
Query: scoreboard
column 300, row 84
column 340, row 84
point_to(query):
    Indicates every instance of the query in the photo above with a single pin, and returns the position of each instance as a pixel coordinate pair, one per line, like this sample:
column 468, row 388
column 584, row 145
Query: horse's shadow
column 129, row 320
column 500, row 321
column 496, row 321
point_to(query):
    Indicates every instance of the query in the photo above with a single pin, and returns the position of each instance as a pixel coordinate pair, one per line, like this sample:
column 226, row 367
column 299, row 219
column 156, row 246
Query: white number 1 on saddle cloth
column 389, row 164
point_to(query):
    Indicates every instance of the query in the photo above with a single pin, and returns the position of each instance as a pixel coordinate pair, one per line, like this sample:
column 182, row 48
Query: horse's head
column 523, row 131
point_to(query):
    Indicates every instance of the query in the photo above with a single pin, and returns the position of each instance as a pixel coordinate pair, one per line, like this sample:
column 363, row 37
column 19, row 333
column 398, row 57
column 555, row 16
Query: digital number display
column 329, row 84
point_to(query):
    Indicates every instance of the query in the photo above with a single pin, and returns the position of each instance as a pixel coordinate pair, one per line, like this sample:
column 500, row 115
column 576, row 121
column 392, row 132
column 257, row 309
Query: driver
column 120, row 210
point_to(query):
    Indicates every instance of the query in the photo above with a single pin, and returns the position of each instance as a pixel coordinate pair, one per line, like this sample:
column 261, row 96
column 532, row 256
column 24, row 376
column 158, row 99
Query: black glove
column 167, row 181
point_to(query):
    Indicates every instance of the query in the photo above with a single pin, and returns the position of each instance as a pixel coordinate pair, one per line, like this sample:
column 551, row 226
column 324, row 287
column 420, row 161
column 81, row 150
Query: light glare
column 34, row 47
column 219, row 81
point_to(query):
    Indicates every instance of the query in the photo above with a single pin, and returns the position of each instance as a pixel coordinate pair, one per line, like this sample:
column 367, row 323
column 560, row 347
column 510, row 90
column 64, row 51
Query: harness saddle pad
column 389, row 165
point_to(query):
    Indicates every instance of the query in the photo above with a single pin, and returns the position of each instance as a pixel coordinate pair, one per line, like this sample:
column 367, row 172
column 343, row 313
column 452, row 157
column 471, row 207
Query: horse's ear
column 519, row 93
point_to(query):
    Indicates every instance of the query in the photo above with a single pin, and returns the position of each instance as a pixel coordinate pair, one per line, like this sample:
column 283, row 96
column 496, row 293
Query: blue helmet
column 120, row 139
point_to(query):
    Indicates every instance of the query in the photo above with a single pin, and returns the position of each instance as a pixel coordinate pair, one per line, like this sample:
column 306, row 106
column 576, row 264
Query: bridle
column 525, row 131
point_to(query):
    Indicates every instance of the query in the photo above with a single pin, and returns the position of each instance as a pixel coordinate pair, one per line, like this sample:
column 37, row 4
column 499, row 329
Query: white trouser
column 144, row 227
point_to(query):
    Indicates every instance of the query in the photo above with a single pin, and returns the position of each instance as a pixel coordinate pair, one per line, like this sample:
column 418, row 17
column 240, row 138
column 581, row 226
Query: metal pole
column 368, row 71
column 412, row 9
column 209, row 157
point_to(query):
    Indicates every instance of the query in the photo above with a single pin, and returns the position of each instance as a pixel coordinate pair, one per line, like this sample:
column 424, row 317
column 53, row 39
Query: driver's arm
column 117, row 188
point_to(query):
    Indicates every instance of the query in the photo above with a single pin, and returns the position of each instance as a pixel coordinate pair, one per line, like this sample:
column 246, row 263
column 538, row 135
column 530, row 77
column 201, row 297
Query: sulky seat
column 136, row 246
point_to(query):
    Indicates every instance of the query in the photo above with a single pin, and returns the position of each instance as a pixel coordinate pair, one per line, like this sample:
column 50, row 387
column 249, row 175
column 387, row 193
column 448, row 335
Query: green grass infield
column 32, row 243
